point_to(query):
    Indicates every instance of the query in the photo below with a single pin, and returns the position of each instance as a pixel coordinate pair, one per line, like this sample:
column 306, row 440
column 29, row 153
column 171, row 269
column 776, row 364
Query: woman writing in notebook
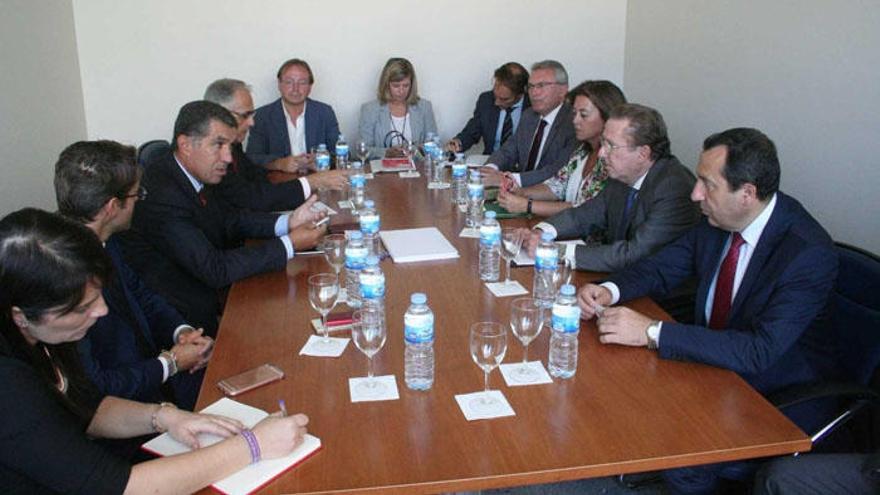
column 51, row 271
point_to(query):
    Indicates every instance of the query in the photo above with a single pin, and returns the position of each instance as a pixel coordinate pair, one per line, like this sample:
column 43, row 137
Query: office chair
column 151, row 150
column 855, row 321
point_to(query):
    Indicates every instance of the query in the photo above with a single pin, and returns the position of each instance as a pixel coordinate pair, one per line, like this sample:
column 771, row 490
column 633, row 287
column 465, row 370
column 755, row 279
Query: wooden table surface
column 624, row 411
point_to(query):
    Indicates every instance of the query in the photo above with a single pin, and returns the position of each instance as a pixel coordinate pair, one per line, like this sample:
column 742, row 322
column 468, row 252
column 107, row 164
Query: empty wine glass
column 562, row 275
column 526, row 322
column 333, row 246
column 488, row 341
column 368, row 333
column 323, row 291
column 511, row 243
column 363, row 151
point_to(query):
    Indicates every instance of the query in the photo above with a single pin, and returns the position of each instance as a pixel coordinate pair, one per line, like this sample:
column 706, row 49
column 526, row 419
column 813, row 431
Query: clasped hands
column 617, row 325
column 301, row 224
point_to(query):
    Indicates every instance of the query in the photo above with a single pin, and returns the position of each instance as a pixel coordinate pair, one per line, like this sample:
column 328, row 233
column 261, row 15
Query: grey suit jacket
column 375, row 122
column 662, row 212
column 561, row 142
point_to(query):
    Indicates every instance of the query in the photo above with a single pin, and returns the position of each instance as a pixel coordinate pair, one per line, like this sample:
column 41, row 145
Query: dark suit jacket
column 663, row 211
column 188, row 252
column 119, row 351
column 561, row 142
column 773, row 338
column 247, row 186
column 484, row 123
column 269, row 139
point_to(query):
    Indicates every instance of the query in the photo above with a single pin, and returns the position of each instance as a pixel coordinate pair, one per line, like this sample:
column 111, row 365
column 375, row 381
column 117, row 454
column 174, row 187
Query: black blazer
column 190, row 253
column 484, row 123
column 247, row 186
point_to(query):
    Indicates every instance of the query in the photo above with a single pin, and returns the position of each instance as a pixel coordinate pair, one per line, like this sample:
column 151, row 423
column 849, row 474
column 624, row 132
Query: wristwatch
column 172, row 361
column 154, row 419
column 652, row 332
column 529, row 207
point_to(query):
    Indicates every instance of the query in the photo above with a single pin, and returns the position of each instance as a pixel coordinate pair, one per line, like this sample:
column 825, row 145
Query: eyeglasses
column 245, row 115
column 611, row 147
column 293, row 82
column 540, row 85
column 141, row 194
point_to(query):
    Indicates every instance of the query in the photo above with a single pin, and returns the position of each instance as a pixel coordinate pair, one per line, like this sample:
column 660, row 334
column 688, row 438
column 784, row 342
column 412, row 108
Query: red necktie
column 203, row 198
column 724, row 285
column 536, row 146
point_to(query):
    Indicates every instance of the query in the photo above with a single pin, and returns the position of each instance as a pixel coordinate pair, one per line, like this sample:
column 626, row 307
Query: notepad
column 254, row 476
column 410, row 245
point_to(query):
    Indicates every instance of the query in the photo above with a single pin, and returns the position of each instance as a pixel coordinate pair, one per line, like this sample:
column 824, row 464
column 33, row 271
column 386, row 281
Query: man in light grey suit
column 545, row 137
column 645, row 205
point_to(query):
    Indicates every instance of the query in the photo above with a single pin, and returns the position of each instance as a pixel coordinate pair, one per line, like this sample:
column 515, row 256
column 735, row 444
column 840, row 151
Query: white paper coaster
column 470, row 232
column 369, row 176
column 344, row 204
column 514, row 376
column 383, row 388
column 409, row 174
column 439, row 185
column 501, row 289
column 484, row 405
column 318, row 347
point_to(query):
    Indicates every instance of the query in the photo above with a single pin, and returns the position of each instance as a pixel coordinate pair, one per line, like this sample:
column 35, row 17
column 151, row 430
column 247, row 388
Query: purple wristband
column 253, row 445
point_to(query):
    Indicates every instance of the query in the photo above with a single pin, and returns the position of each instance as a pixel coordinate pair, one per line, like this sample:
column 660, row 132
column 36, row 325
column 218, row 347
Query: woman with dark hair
column 51, row 272
column 398, row 115
column 584, row 176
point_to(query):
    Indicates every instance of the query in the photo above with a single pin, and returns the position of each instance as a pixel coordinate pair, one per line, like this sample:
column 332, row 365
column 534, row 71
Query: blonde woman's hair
column 397, row 69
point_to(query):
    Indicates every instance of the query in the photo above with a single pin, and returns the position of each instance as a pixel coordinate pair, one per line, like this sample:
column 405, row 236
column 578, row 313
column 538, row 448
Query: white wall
column 142, row 60
column 806, row 72
column 41, row 105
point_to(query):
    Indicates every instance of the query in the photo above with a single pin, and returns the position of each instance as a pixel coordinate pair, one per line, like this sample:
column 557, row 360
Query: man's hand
column 621, row 325
column 453, row 145
column 512, row 202
column 329, row 179
column 491, row 177
column 593, row 299
column 292, row 164
column 305, row 214
column 191, row 357
column 531, row 240
column 307, row 236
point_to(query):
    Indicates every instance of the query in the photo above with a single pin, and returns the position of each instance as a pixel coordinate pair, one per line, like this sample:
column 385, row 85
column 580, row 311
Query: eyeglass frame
column 245, row 115
column 541, row 85
column 604, row 143
column 295, row 84
column 141, row 194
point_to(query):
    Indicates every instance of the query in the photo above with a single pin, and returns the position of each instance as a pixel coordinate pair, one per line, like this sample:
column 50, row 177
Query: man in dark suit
column 764, row 267
column 545, row 137
column 185, row 240
column 287, row 129
column 497, row 113
column 246, row 184
column 645, row 204
column 142, row 349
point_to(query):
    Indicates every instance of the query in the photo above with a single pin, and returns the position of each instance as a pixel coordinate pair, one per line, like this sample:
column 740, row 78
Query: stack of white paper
column 409, row 245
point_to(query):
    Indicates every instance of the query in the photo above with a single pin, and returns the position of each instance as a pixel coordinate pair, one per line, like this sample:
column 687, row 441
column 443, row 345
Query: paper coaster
column 410, row 174
column 514, row 376
column 502, row 289
column 470, row 232
column 474, row 405
column 384, row 388
column 318, row 347
column 344, row 204
column 439, row 185
column 369, row 176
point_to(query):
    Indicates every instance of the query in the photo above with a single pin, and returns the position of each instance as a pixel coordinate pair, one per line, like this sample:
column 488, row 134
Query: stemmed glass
column 363, row 151
column 368, row 333
column 526, row 322
column 488, row 341
column 333, row 246
column 511, row 242
column 562, row 275
column 323, row 291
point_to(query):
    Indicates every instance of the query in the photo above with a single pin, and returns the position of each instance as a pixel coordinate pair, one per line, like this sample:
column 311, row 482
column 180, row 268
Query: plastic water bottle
column 475, row 200
column 565, row 323
column 355, row 258
column 429, row 168
column 322, row 158
column 418, row 334
column 370, row 223
column 341, row 150
column 358, row 183
column 490, row 248
column 546, row 259
column 373, row 286
column 430, row 145
column 459, row 180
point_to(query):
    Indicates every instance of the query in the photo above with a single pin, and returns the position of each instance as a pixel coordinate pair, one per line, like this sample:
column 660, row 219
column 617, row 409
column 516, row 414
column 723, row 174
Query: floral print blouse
column 590, row 185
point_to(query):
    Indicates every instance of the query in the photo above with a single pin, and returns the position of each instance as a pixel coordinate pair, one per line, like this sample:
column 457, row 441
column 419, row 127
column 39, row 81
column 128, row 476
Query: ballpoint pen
column 283, row 407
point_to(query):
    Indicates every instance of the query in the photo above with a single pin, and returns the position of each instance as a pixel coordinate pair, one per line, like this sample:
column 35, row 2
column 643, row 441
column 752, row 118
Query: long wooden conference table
column 624, row 411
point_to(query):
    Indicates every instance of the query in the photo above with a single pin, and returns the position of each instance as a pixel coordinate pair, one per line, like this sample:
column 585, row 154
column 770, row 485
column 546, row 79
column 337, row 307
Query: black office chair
column 151, row 150
column 855, row 321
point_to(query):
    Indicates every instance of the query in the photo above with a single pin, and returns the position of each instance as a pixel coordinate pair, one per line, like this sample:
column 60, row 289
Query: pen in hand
column 283, row 408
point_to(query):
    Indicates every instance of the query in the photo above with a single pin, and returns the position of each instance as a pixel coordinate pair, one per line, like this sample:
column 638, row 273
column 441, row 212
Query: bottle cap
column 322, row 147
column 567, row 290
column 418, row 298
column 491, row 214
column 369, row 203
column 372, row 260
column 547, row 236
column 356, row 235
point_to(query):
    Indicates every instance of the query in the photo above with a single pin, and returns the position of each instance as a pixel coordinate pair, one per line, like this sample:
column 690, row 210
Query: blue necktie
column 624, row 221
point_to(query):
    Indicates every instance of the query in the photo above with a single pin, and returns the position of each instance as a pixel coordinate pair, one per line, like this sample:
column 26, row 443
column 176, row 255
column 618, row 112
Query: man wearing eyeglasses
column 545, row 137
column 288, row 129
column 246, row 184
column 645, row 205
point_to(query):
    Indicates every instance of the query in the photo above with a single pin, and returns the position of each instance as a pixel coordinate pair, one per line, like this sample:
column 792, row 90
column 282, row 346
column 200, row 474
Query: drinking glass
column 368, row 333
column 488, row 341
column 526, row 322
column 511, row 243
column 323, row 291
column 363, row 151
column 562, row 275
column 333, row 246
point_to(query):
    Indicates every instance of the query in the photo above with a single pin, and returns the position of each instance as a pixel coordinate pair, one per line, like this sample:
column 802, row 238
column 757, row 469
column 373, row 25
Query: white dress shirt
column 296, row 131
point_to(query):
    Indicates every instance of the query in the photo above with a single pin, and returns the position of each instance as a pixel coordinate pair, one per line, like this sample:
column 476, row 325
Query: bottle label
column 459, row 170
column 418, row 329
column 342, row 150
column 430, row 148
column 322, row 161
column 490, row 235
column 372, row 285
column 475, row 191
column 356, row 258
column 546, row 259
column 369, row 223
column 358, row 180
column 566, row 318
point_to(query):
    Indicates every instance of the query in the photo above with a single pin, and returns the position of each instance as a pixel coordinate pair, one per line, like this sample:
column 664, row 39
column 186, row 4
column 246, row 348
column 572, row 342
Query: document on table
column 254, row 476
column 523, row 259
column 409, row 245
